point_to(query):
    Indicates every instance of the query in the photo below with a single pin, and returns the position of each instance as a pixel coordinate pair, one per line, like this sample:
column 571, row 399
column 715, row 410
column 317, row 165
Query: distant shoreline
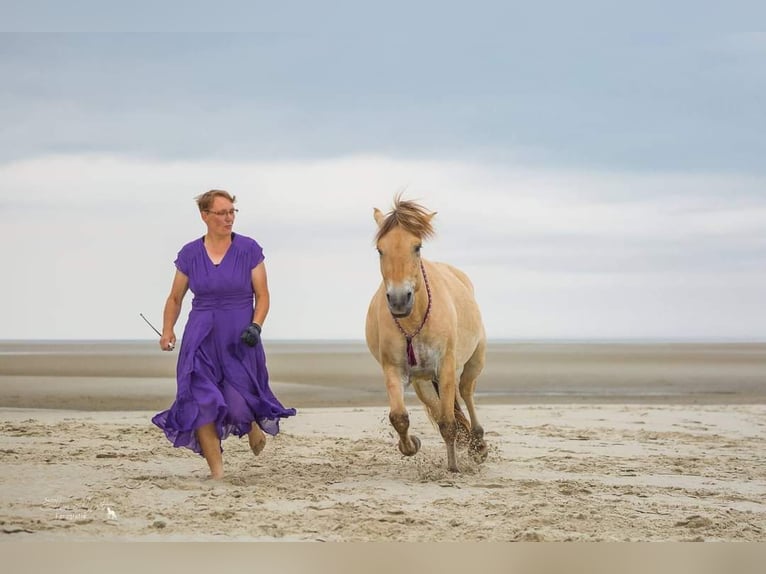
column 497, row 341
column 136, row 375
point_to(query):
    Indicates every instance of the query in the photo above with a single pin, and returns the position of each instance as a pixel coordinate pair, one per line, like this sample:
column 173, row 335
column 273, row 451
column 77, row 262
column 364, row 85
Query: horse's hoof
column 416, row 444
column 479, row 456
column 479, row 451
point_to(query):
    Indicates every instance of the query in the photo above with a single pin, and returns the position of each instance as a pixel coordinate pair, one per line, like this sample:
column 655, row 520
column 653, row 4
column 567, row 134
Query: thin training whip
column 171, row 346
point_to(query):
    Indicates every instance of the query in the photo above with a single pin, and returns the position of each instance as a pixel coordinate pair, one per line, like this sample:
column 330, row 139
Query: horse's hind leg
column 468, row 379
column 398, row 415
column 428, row 393
column 446, row 420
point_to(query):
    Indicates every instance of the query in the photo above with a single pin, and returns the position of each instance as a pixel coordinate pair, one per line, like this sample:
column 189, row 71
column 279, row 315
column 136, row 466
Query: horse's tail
column 463, row 424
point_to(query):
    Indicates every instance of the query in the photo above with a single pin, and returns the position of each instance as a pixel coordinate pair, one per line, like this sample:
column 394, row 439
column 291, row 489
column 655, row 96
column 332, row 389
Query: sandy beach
column 587, row 443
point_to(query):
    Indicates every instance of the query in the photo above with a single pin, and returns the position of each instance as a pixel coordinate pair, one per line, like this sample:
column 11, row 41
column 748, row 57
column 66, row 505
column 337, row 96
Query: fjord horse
column 424, row 328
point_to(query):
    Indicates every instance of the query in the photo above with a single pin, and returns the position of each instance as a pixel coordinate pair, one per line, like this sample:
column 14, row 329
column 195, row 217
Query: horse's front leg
column 447, row 422
column 398, row 415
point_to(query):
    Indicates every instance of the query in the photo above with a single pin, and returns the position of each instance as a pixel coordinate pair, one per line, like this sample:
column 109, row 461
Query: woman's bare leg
column 211, row 449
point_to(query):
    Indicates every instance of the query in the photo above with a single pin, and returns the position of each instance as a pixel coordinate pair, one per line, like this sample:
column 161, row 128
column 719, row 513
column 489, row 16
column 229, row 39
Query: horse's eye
column 417, row 249
column 379, row 251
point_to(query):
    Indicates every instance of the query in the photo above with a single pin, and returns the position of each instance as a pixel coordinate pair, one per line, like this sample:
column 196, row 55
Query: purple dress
column 220, row 379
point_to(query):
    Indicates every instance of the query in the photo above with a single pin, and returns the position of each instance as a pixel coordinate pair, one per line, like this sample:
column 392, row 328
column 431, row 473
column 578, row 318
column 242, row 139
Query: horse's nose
column 400, row 301
column 391, row 299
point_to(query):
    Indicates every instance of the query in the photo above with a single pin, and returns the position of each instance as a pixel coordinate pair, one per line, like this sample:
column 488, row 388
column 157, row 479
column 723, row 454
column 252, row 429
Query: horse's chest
column 428, row 361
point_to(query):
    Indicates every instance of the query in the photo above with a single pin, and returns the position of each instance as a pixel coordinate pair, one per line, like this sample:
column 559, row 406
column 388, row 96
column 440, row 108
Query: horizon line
column 593, row 340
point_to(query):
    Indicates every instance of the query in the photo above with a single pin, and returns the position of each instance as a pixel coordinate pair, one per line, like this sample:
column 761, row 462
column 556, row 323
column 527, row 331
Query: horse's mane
column 411, row 216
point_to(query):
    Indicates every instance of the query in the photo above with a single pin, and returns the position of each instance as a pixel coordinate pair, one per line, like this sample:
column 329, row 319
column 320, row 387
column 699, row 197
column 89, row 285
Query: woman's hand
column 252, row 335
column 168, row 341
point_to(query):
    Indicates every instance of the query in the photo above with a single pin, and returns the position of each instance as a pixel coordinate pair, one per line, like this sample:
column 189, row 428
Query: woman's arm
column 261, row 290
column 173, row 310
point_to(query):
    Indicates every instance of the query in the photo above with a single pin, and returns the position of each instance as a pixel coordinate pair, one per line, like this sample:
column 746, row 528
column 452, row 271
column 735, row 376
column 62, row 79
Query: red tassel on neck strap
column 411, row 360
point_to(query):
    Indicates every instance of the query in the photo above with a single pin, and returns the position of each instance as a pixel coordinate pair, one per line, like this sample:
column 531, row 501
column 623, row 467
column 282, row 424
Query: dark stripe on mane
column 412, row 217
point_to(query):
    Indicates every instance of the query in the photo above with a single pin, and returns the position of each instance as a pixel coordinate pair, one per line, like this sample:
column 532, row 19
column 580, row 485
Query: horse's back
column 457, row 274
column 466, row 307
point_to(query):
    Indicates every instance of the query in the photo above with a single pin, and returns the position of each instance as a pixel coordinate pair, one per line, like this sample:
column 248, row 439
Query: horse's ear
column 379, row 217
column 431, row 216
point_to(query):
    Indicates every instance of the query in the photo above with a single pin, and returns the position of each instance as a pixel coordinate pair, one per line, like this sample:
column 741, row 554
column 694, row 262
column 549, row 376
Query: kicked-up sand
column 586, row 443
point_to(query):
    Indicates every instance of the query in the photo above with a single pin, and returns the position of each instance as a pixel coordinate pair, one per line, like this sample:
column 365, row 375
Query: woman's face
column 220, row 217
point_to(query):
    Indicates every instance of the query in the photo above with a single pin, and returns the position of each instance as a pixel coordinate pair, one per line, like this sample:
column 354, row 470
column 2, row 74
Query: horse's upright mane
column 411, row 216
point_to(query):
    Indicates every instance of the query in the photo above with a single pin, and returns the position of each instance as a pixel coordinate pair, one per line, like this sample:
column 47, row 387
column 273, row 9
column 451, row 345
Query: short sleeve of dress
column 182, row 260
column 255, row 254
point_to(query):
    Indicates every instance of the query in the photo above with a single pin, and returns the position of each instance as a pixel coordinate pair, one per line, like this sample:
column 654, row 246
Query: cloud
column 627, row 88
column 746, row 44
column 552, row 253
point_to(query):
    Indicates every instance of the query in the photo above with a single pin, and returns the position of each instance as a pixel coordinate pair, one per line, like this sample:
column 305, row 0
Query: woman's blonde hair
column 205, row 200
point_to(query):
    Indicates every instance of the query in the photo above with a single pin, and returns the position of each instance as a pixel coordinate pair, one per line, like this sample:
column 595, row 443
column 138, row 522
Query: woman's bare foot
column 211, row 449
column 257, row 439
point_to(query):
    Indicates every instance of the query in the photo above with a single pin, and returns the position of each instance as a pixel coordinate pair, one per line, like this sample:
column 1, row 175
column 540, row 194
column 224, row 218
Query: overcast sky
column 597, row 169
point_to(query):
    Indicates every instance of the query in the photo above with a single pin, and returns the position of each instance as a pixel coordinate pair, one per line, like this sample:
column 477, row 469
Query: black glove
column 252, row 335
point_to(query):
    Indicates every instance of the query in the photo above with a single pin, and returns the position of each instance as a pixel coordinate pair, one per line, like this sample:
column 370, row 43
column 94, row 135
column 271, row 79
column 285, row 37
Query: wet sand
column 136, row 376
column 586, row 443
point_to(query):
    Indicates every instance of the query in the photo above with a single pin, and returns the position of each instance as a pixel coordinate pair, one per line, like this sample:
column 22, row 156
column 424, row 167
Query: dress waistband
column 222, row 303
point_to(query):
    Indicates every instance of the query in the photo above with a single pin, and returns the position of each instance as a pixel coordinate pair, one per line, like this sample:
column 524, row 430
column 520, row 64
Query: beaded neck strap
column 411, row 360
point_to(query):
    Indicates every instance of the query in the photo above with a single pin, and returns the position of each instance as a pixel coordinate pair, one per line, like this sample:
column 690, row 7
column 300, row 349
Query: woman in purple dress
column 223, row 384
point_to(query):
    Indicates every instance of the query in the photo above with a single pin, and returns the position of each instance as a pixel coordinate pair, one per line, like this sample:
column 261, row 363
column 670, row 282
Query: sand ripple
column 553, row 473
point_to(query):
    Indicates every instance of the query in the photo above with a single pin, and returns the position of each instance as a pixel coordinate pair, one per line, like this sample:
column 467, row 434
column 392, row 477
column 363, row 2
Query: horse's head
column 400, row 235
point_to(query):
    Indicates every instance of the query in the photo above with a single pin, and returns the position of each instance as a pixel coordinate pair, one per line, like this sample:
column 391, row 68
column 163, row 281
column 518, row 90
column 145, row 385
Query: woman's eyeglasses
column 224, row 212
